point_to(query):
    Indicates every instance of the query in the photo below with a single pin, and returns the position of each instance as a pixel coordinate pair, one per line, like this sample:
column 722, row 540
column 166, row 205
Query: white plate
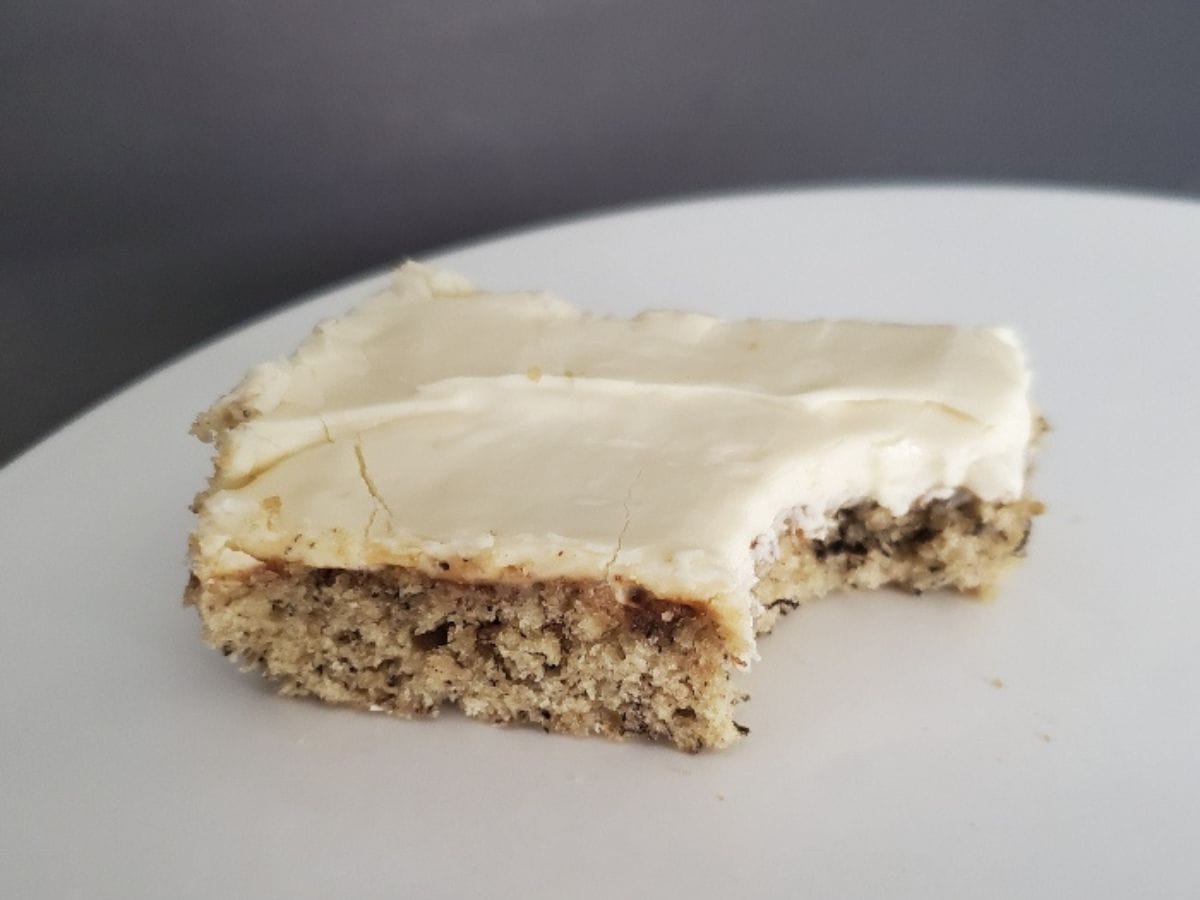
column 1041, row 745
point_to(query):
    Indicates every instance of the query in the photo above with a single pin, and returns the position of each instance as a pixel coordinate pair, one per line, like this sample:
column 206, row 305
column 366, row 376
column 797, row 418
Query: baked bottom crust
column 573, row 656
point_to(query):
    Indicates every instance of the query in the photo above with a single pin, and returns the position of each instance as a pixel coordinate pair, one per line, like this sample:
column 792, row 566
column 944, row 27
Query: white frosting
column 514, row 432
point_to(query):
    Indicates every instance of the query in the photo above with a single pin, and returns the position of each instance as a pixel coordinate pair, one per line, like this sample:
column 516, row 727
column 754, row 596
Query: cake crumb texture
column 569, row 657
column 963, row 544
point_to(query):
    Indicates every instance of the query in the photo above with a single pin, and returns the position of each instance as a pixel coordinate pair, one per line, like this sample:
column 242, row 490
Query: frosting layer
column 512, row 434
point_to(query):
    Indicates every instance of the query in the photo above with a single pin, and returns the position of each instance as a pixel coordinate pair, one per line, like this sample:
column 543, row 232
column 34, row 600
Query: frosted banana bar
column 499, row 501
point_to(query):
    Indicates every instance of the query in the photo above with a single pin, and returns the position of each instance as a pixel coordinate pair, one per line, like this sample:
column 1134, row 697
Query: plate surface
column 1044, row 744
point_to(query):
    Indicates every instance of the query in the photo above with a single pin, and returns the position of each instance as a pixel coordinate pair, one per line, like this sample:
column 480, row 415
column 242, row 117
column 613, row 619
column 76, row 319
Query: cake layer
column 574, row 656
column 567, row 656
column 511, row 436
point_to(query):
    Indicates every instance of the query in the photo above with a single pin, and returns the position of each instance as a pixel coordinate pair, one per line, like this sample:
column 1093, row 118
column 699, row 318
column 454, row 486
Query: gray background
column 169, row 169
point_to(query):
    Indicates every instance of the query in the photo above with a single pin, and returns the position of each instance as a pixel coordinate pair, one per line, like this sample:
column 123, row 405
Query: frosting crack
column 625, row 524
column 325, row 428
column 365, row 475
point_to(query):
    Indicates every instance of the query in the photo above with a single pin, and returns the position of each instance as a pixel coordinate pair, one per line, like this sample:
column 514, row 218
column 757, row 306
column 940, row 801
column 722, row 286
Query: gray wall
column 169, row 169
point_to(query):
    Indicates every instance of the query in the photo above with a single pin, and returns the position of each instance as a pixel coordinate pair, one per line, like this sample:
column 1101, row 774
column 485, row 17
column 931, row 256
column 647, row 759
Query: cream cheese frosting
column 513, row 434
